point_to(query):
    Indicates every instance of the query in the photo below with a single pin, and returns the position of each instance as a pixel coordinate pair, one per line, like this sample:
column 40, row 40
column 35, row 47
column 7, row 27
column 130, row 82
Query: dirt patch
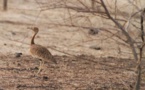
column 71, row 73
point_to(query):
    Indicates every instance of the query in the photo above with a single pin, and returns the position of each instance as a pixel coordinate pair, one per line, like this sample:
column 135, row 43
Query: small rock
column 18, row 55
column 37, row 36
column 96, row 47
column 5, row 44
column 45, row 78
column 18, row 64
column 36, row 68
column 111, row 57
column 13, row 33
column 93, row 31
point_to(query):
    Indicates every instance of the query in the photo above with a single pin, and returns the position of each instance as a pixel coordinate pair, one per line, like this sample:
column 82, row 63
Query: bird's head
column 35, row 29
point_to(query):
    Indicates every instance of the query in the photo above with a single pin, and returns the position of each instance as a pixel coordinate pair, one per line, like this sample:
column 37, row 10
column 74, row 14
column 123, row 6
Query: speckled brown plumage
column 39, row 51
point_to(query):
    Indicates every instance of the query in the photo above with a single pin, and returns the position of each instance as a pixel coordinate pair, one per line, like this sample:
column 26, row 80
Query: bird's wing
column 43, row 53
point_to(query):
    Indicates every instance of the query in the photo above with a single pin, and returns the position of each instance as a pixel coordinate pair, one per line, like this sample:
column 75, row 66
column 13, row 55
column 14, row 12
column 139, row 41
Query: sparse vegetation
column 99, row 44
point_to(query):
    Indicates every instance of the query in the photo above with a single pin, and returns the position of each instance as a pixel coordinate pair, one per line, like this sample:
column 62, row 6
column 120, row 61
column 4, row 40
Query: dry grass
column 71, row 73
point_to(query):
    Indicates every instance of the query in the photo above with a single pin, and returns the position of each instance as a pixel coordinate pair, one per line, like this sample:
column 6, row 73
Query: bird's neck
column 32, row 40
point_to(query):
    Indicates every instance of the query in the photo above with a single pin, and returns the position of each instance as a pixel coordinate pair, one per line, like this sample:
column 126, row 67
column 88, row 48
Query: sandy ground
column 15, row 37
column 80, row 66
column 71, row 73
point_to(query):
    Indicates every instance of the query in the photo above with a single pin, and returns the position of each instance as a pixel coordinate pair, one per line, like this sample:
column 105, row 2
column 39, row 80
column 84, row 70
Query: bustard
column 39, row 51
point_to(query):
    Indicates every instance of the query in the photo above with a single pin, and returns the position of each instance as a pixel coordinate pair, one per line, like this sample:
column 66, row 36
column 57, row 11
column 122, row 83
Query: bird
column 39, row 51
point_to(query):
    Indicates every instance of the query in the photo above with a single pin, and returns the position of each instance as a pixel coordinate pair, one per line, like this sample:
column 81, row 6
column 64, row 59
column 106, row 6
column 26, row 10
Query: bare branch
column 139, row 69
column 122, row 29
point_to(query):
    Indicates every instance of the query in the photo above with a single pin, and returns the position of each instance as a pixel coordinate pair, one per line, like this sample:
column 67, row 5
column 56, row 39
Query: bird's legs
column 40, row 66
